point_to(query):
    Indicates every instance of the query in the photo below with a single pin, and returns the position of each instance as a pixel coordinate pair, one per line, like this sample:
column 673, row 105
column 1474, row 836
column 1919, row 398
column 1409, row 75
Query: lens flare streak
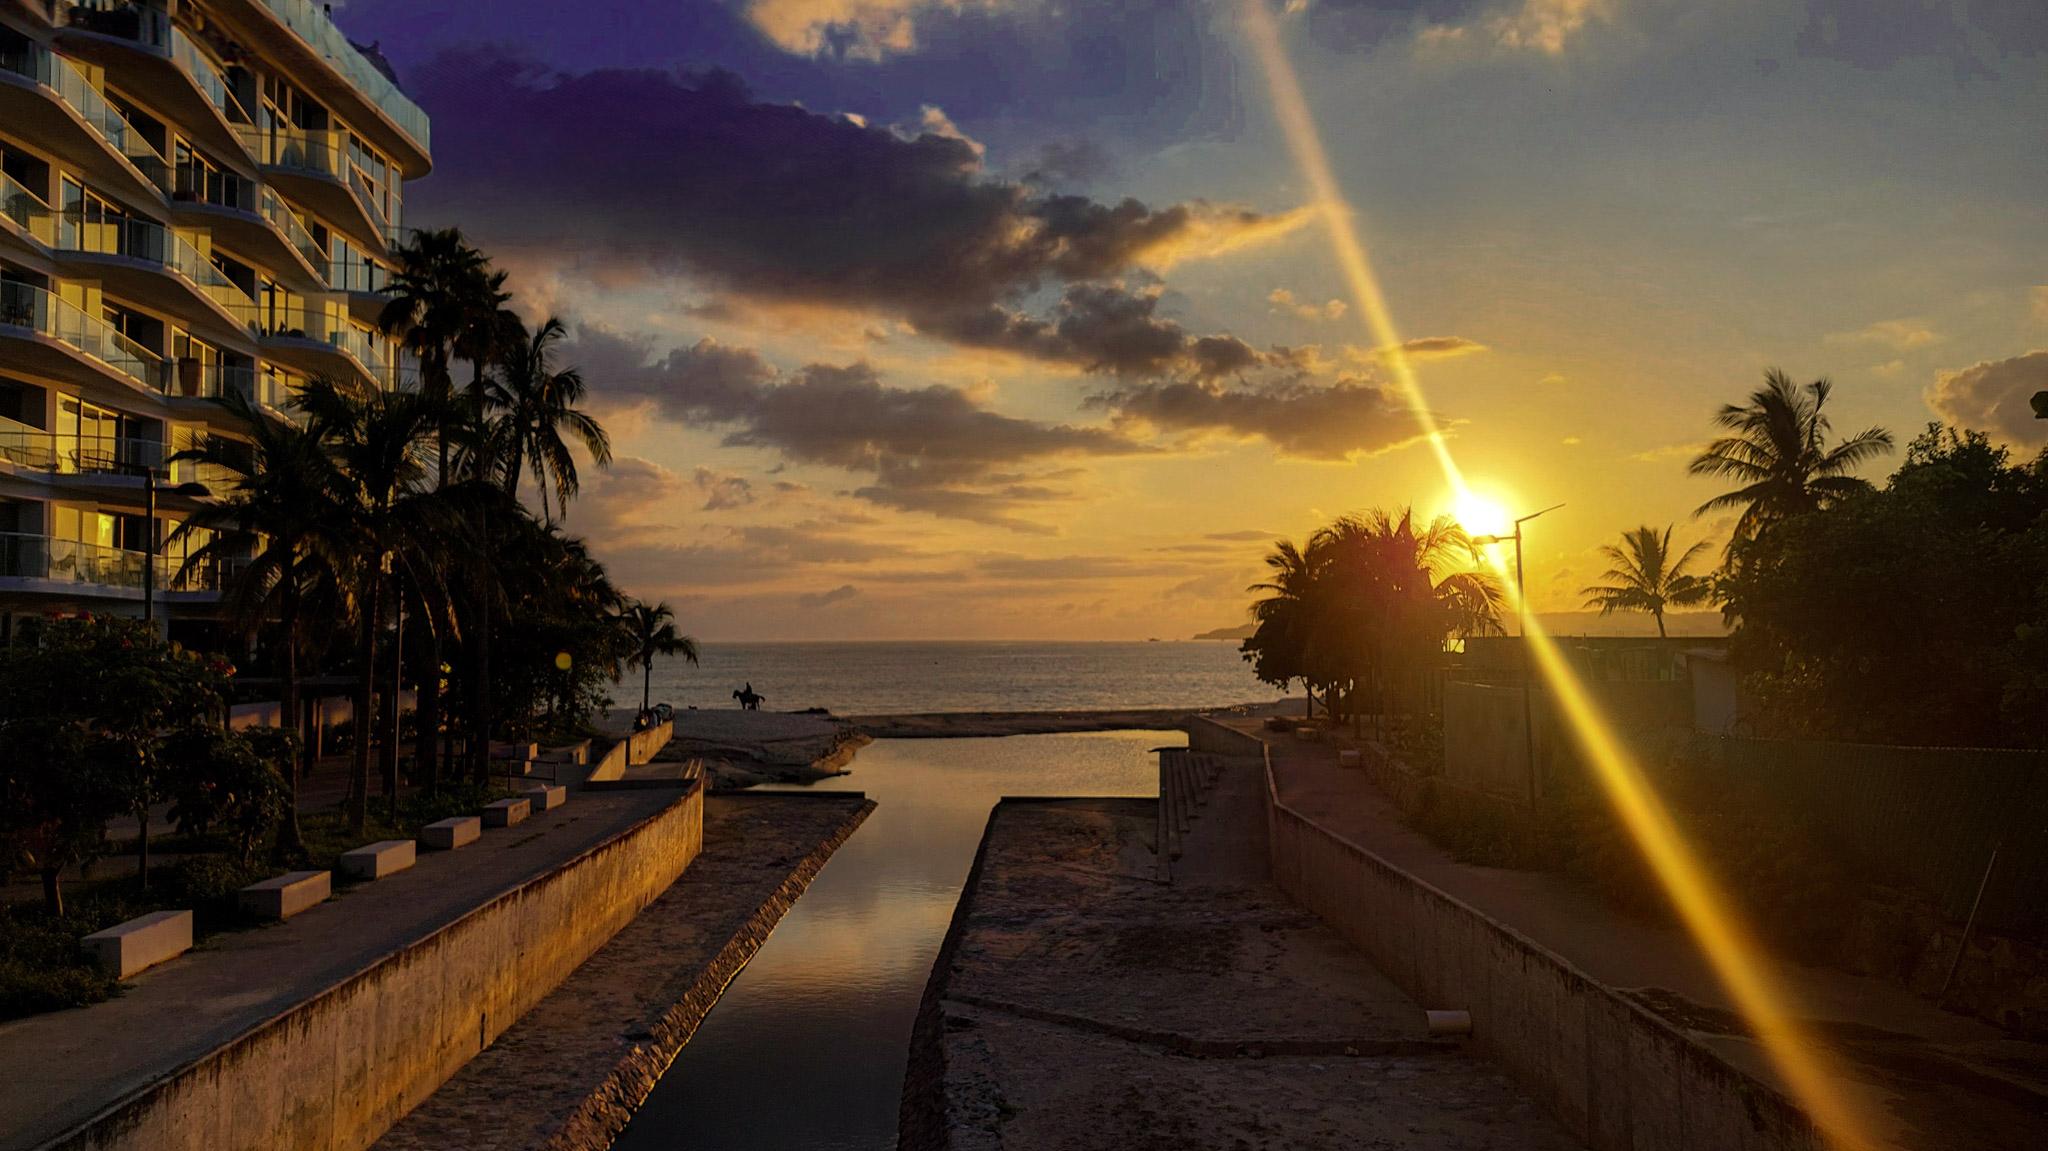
column 1718, row 932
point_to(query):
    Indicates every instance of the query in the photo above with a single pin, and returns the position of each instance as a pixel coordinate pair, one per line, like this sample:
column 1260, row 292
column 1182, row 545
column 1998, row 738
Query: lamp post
column 1522, row 628
column 194, row 490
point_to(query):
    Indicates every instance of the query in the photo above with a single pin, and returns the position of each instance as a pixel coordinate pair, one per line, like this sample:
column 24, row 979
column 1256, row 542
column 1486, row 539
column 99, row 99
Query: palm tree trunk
column 1659, row 613
column 393, row 718
column 647, row 684
column 366, row 686
column 288, row 837
column 427, row 710
column 142, row 844
column 53, row 892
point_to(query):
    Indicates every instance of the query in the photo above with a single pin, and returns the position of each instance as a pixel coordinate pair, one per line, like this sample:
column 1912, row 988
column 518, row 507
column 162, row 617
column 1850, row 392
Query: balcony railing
column 80, row 454
column 151, row 27
column 326, row 326
column 28, row 211
column 32, row 308
column 151, row 242
column 24, row 556
column 310, row 21
column 287, row 221
column 33, row 61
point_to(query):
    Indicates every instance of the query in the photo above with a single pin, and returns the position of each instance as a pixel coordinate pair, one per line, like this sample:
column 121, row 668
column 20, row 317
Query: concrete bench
column 576, row 753
column 507, row 812
column 127, row 948
column 449, row 834
column 283, row 896
column 546, row 798
column 377, row 860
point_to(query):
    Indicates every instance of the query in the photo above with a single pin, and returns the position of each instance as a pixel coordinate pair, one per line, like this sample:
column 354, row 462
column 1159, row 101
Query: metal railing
column 287, row 221
column 29, row 211
column 311, row 23
column 151, row 242
column 323, row 153
column 32, row 61
column 25, row 556
column 327, row 326
column 151, row 27
column 76, row 454
column 37, row 310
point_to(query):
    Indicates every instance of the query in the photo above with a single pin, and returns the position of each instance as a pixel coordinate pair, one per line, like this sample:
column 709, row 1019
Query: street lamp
column 1522, row 627
column 194, row 490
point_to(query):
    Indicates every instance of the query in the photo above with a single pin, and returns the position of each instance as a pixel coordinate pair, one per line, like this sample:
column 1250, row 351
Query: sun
column 1482, row 515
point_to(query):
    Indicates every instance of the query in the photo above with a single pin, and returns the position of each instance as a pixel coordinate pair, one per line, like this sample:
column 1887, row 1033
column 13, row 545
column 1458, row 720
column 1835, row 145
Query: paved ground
column 1937, row 1078
column 65, row 1066
column 569, row 1073
column 1088, row 1005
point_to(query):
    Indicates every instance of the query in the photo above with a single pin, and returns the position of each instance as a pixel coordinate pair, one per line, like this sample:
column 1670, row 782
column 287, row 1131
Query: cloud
column 1898, row 335
column 1284, row 301
column 1658, row 455
column 1994, row 396
column 934, row 449
column 1315, row 421
column 1571, row 441
column 1242, row 536
column 1547, row 27
column 691, row 176
column 840, row 594
column 1424, row 348
column 869, row 30
column 723, row 490
column 2039, row 298
column 1553, row 379
column 1877, row 34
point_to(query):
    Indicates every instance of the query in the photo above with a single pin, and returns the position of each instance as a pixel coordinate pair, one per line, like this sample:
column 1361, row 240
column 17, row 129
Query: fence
column 1487, row 737
column 1928, row 815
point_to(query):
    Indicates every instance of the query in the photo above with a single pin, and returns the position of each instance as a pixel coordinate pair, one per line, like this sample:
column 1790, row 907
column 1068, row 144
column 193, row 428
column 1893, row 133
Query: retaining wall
column 632, row 751
column 334, row 1072
column 1619, row 1077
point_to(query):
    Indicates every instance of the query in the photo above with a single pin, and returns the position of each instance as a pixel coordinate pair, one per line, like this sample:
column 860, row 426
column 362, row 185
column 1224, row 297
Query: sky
column 976, row 319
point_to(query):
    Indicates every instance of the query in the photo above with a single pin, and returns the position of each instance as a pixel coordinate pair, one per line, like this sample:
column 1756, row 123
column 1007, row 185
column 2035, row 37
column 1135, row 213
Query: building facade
column 196, row 198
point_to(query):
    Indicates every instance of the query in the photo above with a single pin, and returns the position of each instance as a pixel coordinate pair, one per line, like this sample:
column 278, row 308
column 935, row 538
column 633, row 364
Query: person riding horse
column 750, row 700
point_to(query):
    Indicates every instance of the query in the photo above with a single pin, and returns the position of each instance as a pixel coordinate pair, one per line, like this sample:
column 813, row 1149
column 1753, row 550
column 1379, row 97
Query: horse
column 750, row 700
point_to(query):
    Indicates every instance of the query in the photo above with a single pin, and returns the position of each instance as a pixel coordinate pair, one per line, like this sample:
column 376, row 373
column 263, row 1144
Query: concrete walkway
column 64, row 1067
column 1082, row 1003
column 1935, row 1078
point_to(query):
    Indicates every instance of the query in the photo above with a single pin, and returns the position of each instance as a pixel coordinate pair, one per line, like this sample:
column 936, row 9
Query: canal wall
column 333, row 1072
column 1616, row 1075
column 632, row 751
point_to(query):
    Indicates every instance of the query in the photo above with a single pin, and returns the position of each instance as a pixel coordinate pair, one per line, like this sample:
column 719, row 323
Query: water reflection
column 807, row 1048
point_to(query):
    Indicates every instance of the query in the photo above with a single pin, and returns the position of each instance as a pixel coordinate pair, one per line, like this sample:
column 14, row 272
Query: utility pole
column 1522, row 627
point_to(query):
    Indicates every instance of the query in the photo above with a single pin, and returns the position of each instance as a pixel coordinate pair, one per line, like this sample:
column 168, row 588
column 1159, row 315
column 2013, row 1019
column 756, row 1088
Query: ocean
column 885, row 678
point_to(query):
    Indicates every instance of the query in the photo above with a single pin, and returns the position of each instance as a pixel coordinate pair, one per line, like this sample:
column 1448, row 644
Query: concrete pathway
column 1085, row 1004
column 64, row 1067
column 1939, row 1079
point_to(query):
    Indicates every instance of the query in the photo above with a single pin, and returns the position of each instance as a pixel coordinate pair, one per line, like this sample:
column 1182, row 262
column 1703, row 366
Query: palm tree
column 651, row 631
column 1390, row 594
column 378, row 442
column 1281, row 647
column 431, row 293
column 273, row 530
column 1778, row 451
column 1646, row 578
column 538, row 404
column 484, row 332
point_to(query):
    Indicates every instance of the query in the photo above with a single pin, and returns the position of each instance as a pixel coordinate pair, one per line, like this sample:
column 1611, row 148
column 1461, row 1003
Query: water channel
column 806, row 1050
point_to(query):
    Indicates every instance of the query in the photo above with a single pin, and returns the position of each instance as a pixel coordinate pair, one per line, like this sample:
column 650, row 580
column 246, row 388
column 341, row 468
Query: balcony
column 92, row 459
column 144, row 261
column 46, row 97
column 49, row 335
column 254, row 222
column 299, row 34
column 318, row 340
column 313, row 168
column 41, row 564
column 156, row 60
column 26, row 222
